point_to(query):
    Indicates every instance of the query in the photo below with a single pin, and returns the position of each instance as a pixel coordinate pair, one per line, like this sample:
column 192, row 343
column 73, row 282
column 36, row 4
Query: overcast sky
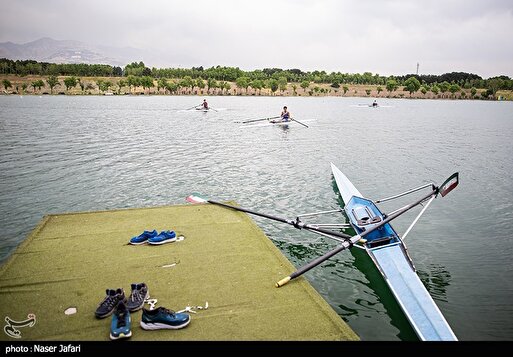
column 379, row 36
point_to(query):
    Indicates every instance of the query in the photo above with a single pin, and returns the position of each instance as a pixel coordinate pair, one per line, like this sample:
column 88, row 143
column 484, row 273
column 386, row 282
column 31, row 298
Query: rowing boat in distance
column 277, row 123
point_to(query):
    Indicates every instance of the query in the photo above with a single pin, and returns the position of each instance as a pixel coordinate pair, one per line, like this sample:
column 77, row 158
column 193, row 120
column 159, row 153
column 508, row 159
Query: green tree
column 444, row 87
column 7, row 84
column 200, row 83
column 212, row 83
column 305, row 84
column 473, row 91
column 133, row 81
column 494, row 84
column 335, row 84
column 282, row 83
column 70, row 82
column 391, row 86
column 147, row 82
column 52, row 82
column 368, row 91
column 121, row 83
column 412, row 85
column 242, row 82
column 423, row 89
column 453, row 88
column 187, row 82
column 435, row 89
column 273, row 85
column 24, row 87
column 487, row 93
column 172, row 87
column 226, row 86
column 379, row 89
column 161, row 83
column 104, row 85
column 345, row 89
column 257, row 84
column 294, row 89
column 38, row 84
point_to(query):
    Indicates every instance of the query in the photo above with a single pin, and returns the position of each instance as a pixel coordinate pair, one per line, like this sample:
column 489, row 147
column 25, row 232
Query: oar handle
column 283, row 282
column 261, row 119
column 317, row 261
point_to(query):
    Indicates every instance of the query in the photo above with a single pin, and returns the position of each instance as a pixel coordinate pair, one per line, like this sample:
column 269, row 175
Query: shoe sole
column 104, row 316
column 161, row 326
column 121, row 335
column 163, row 242
column 137, row 308
column 134, row 243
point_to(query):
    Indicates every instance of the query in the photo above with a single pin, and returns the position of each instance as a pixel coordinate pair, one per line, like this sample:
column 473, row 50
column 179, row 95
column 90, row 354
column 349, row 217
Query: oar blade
column 449, row 184
column 292, row 119
column 196, row 198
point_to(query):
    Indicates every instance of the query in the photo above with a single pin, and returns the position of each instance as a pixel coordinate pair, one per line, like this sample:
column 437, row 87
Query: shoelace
column 136, row 295
column 110, row 301
column 171, row 312
column 121, row 319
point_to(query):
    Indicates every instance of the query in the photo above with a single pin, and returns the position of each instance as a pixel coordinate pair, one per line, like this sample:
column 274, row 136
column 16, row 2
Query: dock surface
column 69, row 260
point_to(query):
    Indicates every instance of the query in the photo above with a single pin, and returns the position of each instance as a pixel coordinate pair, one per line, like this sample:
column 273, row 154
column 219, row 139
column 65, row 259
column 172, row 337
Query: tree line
column 138, row 74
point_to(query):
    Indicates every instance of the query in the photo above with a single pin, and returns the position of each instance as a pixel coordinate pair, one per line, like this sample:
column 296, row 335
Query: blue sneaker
column 121, row 323
column 143, row 237
column 162, row 318
column 163, row 237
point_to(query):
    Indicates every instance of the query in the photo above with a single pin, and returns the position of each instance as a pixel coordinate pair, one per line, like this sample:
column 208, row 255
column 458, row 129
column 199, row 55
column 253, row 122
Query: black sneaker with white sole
column 137, row 296
column 110, row 302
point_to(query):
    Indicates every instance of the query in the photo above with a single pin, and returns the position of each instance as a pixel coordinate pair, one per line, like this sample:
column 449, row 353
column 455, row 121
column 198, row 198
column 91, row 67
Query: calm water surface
column 61, row 154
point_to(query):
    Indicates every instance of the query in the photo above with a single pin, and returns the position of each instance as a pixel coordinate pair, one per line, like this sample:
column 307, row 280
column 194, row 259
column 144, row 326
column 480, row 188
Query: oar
column 297, row 121
column 196, row 198
column 212, row 109
column 193, row 107
column 253, row 120
column 444, row 189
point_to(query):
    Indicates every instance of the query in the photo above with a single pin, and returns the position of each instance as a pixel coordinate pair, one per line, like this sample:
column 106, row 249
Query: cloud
column 388, row 37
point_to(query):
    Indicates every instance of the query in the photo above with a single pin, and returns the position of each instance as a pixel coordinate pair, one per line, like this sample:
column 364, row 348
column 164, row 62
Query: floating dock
column 69, row 260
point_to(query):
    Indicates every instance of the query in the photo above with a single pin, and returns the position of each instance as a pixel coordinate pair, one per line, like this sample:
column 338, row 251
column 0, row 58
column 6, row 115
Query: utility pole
column 417, row 68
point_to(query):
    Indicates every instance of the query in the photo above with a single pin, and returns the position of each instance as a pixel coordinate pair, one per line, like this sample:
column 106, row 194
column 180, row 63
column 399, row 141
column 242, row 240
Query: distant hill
column 66, row 51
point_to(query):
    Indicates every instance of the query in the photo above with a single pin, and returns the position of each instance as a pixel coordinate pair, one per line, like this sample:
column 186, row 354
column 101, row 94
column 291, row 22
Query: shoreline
column 91, row 86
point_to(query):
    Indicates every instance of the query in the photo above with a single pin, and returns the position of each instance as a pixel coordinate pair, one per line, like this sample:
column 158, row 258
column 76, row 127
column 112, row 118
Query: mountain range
column 67, row 51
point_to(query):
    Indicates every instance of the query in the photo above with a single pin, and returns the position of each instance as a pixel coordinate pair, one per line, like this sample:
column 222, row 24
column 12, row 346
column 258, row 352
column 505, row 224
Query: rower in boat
column 374, row 104
column 284, row 117
column 285, row 114
column 205, row 104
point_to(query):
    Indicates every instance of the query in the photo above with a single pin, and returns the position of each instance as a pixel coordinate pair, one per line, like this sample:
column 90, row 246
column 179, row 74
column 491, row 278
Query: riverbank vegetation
column 32, row 77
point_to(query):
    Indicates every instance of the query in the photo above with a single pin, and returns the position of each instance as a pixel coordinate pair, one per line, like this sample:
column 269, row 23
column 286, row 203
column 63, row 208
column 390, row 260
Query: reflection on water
column 436, row 280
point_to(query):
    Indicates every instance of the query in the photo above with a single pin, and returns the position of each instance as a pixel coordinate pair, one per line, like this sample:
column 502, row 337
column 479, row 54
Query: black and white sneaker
column 110, row 302
column 137, row 296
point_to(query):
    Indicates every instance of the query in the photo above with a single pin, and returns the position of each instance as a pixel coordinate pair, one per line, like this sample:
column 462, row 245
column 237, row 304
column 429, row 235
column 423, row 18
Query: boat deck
column 412, row 296
column 70, row 259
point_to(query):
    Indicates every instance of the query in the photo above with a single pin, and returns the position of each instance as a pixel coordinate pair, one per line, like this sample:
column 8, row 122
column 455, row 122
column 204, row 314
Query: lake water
column 61, row 154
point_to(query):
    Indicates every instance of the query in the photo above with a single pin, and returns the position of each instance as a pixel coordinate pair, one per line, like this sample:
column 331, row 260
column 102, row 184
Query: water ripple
column 60, row 154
